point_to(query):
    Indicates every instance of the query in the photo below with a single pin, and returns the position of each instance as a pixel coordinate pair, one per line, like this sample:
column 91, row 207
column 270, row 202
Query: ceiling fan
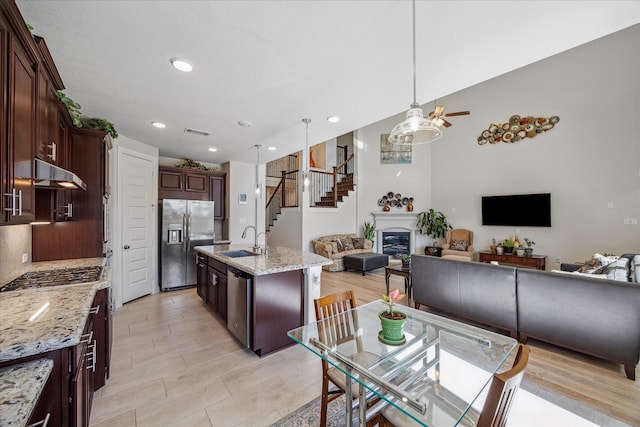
column 438, row 117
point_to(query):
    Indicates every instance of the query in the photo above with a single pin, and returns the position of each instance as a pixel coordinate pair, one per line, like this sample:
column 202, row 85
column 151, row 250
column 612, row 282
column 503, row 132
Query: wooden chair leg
column 325, row 401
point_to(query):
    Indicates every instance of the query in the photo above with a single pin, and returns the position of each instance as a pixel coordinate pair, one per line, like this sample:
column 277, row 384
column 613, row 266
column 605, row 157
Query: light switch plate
column 25, row 258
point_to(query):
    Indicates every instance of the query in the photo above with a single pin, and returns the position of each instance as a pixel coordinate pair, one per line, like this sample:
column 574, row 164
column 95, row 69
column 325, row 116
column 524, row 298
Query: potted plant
column 499, row 249
column 392, row 321
column 435, row 225
column 520, row 251
column 528, row 251
column 508, row 244
column 369, row 231
column 405, row 258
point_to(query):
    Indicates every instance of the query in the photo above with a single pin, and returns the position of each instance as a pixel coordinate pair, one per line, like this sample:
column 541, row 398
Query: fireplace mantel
column 395, row 221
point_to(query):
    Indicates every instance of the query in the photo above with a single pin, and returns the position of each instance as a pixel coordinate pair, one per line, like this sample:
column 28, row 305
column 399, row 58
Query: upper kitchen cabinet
column 84, row 237
column 178, row 183
column 18, row 122
column 51, row 144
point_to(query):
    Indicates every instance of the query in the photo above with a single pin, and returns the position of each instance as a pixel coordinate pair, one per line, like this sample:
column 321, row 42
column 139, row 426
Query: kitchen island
column 260, row 296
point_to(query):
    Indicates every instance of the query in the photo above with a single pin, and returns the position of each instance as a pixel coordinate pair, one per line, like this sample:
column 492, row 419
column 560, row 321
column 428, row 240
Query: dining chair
column 497, row 405
column 336, row 326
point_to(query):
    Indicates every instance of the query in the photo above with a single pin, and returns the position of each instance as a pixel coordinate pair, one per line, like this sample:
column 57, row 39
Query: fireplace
column 395, row 224
column 395, row 242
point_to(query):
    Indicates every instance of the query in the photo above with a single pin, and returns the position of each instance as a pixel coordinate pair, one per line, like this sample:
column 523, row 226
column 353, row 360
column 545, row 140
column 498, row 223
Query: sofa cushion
column 358, row 242
column 345, row 244
column 620, row 269
column 459, row 245
column 597, row 263
column 636, row 269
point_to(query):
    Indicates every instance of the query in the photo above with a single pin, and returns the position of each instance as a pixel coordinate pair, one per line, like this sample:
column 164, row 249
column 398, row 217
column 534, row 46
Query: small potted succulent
column 405, row 258
column 528, row 251
column 508, row 244
column 392, row 321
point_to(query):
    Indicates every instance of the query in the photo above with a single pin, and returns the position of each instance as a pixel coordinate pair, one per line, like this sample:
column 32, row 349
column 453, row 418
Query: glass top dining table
column 438, row 376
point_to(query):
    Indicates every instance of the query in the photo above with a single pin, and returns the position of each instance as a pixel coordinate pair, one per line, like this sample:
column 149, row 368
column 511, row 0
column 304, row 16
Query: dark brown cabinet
column 217, row 188
column 202, row 277
column 51, row 144
column 217, row 287
column 211, row 284
column 102, row 332
column 83, row 237
column 177, row 183
column 18, row 122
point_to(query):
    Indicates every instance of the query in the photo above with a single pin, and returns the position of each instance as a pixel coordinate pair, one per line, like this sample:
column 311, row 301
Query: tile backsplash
column 15, row 240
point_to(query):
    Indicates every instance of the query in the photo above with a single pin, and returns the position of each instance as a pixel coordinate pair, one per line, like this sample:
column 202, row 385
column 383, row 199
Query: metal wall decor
column 395, row 200
column 516, row 129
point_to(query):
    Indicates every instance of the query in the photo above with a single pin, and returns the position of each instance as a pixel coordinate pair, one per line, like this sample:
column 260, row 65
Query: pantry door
column 136, row 177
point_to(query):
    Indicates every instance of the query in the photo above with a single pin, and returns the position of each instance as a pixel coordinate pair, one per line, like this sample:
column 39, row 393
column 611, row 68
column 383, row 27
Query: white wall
column 287, row 232
column 241, row 180
column 590, row 159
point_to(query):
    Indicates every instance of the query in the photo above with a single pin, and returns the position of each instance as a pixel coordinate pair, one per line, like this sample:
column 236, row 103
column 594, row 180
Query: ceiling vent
column 196, row 132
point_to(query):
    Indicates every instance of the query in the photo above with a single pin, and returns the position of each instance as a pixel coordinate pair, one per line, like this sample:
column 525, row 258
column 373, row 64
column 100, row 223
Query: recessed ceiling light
column 333, row 119
column 244, row 123
column 271, row 148
column 213, row 149
column 159, row 125
column 181, row 64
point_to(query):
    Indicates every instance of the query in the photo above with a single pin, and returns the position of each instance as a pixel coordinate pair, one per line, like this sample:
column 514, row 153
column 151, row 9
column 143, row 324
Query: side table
column 399, row 270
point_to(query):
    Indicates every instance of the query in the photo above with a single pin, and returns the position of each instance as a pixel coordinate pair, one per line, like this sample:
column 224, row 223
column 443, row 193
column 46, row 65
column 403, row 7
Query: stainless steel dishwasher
column 238, row 304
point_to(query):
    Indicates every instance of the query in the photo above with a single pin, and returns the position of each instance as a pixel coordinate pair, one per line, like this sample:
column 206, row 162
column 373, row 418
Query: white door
column 136, row 178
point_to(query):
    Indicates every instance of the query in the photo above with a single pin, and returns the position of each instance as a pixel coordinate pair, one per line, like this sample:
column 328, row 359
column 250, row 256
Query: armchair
column 458, row 244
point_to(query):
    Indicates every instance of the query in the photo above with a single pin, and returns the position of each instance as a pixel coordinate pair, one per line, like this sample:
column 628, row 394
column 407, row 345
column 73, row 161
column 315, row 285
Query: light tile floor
column 175, row 364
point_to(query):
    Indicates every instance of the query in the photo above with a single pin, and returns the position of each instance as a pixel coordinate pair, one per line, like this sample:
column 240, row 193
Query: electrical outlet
column 630, row 221
column 558, row 261
column 25, row 258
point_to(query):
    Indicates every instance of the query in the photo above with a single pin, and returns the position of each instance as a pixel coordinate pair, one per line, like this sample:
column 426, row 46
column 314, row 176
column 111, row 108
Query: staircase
column 343, row 188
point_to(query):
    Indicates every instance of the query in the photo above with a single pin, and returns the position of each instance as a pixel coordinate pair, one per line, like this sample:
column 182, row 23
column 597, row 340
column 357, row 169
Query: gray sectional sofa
column 598, row 317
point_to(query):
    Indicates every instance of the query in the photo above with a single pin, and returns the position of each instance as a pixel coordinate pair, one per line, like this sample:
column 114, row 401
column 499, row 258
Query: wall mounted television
column 526, row 210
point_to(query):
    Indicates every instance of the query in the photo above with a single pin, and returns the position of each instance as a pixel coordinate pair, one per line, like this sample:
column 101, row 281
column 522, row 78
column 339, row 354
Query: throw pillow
column 358, row 242
column 596, row 264
column 345, row 245
column 459, row 245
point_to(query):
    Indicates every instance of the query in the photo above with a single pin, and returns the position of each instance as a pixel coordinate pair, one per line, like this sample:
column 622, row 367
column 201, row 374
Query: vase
column 520, row 251
column 508, row 249
column 409, row 207
column 528, row 252
column 386, row 207
column 499, row 250
column 392, row 329
column 406, row 264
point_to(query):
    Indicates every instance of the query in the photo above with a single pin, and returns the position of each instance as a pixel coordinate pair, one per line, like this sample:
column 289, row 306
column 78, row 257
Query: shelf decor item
column 528, row 251
column 392, row 322
column 516, row 129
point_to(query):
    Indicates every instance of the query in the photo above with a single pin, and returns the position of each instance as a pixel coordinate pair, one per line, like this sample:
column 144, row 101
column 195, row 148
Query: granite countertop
column 20, row 388
column 276, row 259
column 59, row 325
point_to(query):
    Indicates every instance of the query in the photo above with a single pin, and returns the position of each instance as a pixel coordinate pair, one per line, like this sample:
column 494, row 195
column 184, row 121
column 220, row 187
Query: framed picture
column 393, row 153
column 242, row 199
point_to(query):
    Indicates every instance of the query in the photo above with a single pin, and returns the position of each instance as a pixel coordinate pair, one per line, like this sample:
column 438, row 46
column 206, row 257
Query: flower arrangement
column 393, row 297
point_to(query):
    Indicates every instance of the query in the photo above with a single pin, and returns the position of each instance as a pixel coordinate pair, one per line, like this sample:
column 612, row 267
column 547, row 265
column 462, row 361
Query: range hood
column 52, row 176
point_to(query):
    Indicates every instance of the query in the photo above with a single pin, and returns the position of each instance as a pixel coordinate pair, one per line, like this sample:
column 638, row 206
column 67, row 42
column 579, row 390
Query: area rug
column 308, row 415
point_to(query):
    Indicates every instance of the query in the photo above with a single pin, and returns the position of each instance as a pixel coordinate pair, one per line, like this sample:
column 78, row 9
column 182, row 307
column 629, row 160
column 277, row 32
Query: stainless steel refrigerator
column 185, row 224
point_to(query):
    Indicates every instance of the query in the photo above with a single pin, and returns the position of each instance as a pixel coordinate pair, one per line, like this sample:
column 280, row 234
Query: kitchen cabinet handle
column 126, row 247
column 13, row 201
column 68, row 210
column 42, row 423
column 92, row 357
column 86, row 337
column 20, row 203
column 54, row 151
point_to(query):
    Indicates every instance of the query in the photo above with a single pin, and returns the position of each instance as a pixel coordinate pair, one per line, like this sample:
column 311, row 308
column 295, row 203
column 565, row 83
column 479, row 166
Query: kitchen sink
column 238, row 254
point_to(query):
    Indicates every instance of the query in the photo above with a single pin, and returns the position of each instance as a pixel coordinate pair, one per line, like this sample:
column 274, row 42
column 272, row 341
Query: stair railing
column 321, row 183
column 285, row 195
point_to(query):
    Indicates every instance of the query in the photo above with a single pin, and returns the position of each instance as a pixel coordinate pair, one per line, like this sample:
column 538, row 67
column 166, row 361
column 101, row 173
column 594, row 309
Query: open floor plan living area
column 288, row 213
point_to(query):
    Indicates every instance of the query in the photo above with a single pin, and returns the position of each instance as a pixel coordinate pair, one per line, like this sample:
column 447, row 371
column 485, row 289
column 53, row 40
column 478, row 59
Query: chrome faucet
column 255, row 232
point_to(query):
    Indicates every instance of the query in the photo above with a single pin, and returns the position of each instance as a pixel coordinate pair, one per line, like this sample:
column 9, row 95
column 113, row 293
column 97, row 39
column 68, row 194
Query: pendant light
column 305, row 173
column 415, row 129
